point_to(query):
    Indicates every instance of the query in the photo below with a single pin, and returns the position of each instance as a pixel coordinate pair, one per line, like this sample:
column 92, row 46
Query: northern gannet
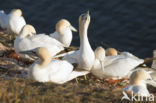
column 84, row 57
column 3, row 20
column 152, row 69
column 48, row 70
column 111, row 52
column 113, row 66
column 13, row 22
column 27, row 40
column 154, row 61
column 138, row 81
column 63, row 32
column 16, row 21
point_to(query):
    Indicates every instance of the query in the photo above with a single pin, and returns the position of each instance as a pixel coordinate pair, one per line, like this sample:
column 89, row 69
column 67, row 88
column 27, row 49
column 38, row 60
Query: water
column 128, row 25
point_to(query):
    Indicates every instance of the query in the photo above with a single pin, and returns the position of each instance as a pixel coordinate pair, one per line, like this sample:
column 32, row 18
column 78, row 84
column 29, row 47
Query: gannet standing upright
column 84, row 57
column 63, row 32
column 26, row 40
column 48, row 70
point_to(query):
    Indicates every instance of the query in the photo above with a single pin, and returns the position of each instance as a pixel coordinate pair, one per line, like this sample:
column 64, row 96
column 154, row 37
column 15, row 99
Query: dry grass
column 27, row 91
column 16, row 88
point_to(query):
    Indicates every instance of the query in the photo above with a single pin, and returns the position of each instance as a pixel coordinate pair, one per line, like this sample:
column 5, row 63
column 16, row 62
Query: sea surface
column 128, row 25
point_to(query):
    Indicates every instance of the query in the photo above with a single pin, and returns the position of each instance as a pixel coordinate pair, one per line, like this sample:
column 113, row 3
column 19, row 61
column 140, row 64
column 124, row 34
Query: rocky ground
column 16, row 88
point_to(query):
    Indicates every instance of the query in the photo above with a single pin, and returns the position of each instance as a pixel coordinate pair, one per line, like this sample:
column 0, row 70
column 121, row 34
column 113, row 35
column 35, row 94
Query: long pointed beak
column 87, row 13
column 73, row 28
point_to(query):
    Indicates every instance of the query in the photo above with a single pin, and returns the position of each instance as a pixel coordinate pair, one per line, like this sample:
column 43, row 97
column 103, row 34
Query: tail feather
column 151, row 82
column 75, row 74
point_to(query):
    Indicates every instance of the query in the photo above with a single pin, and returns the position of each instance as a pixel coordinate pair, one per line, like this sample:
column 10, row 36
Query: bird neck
column 84, row 43
column 139, row 83
column 45, row 62
column 22, row 34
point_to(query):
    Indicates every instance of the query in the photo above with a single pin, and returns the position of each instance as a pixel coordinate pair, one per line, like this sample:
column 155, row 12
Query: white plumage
column 27, row 40
column 63, row 32
column 138, row 81
column 56, row 71
column 84, row 57
column 114, row 66
column 139, row 90
column 3, row 19
column 13, row 22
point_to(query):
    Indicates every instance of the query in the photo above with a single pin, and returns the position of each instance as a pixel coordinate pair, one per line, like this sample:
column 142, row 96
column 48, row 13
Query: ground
column 16, row 88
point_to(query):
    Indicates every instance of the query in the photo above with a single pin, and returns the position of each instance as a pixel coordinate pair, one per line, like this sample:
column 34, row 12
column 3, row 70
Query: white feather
column 35, row 41
column 57, row 72
column 116, row 66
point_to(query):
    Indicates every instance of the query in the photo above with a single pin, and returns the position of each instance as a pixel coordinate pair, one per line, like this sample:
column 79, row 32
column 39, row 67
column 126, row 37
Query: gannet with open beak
column 63, row 32
column 27, row 40
column 48, row 70
column 84, row 57
column 114, row 67
column 138, row 81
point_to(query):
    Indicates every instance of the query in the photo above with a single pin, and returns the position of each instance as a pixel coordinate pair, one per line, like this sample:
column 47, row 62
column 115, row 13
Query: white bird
column 138, row 81
column 154, row 61
column 84, row 57
column 48, row 70
column 3, row 20
column 152, row 70
column 111, row 52
column 16, row 21
column 63, row 32
column 13, row 22
column 26, row 40
column 114, row 67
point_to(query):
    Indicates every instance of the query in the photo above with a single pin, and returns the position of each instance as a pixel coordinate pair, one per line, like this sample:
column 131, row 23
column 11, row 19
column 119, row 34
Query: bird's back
column 54, row 35
column 42, row 40
column 137, row 90
column 120, row 66
column 59, row 70
column 16, row 24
